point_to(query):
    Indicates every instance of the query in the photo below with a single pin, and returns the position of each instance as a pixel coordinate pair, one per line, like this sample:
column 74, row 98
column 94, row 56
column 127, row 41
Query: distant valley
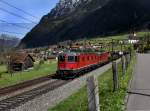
column 7, row 41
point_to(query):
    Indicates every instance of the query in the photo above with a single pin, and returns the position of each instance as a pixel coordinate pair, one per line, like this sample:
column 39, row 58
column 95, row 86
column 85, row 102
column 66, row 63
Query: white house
column 133, row 39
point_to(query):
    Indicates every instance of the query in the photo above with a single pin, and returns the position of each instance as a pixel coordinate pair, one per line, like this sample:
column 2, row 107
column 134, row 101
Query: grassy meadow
column 7, row 79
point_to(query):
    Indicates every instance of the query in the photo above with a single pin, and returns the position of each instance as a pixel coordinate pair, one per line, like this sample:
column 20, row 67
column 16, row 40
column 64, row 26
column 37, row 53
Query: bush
column 41, row 62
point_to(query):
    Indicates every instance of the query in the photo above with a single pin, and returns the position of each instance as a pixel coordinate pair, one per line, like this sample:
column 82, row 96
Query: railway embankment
column 54, row 97
column 109, row 100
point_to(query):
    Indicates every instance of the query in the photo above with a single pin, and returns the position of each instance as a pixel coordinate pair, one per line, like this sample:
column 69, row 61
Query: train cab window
column 61, row 58
column 73, row 59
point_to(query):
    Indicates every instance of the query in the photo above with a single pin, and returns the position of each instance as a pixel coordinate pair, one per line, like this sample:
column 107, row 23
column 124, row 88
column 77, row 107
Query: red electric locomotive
column 73, row 63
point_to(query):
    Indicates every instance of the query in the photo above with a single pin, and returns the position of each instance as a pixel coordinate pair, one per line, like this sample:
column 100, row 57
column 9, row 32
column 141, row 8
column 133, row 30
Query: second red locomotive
column 74, row 63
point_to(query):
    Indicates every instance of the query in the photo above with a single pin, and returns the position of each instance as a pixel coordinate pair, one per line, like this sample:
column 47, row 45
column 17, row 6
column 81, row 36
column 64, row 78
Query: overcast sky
column 37, row 8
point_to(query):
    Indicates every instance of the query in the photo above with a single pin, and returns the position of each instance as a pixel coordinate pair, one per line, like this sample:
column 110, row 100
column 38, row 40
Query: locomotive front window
column 72, row 58
column 61, row 58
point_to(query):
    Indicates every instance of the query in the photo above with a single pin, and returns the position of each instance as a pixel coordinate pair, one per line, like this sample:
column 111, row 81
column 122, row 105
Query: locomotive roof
column 77, row 53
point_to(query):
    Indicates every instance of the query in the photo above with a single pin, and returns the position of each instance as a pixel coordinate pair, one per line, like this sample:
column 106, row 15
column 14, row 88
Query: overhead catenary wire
column 15, row 24
column 19, row 16
column 25, row 12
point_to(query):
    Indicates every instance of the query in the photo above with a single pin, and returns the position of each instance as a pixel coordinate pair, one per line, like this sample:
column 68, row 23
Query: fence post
column 93, row 95
column 126, row 57
column 115, row 76
column 123, row 65
column 127, row 60
column 130, row 54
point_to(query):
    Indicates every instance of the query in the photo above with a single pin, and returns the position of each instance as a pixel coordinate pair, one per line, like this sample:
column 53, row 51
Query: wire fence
column 91, row 96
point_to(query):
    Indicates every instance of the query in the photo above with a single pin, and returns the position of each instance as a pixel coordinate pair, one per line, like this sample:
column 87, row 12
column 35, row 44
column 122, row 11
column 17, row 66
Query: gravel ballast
column 50, row 99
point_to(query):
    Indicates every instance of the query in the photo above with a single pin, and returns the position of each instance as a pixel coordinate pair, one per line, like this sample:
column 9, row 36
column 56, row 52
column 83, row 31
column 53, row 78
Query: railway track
column 13, row 88
column 12, row 102
column 17, row 100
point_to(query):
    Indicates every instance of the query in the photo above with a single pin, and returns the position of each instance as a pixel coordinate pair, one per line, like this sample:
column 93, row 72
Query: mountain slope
column 88, row 18
column 7, row 41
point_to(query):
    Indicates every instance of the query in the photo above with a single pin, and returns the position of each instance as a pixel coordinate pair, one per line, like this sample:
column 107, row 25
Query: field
column 2, row 69
column 108, row 39
column 109, row 100
column 38, row 71
column 116, row 41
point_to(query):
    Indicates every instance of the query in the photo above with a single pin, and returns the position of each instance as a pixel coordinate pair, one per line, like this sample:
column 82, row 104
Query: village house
column 133, row 39
column 20, row 61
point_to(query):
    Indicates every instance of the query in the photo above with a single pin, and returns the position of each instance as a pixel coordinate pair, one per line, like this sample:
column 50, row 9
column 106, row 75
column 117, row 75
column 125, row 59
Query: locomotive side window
column 73, row 59
column 61, row 58
column 82, row 58
column 88, row 58
column 77, row 59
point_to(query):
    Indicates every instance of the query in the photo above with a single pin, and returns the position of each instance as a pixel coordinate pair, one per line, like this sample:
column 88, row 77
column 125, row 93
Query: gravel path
column 52, row 98
column 26, row 89
column 139, row 93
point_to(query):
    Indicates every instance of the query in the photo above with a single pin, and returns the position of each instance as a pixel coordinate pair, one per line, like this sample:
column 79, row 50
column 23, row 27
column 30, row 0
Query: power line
column 15, row 24
column 14, row 14
column 18, row 9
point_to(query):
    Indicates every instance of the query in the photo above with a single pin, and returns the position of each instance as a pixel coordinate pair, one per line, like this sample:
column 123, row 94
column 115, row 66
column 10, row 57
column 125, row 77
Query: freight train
column 72, row 64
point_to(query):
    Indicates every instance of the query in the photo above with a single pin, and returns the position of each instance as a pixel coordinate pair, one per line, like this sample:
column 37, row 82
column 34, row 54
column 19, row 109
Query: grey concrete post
column 127, row 60
column 93, row 95
column 115, row 76
column 123, row 65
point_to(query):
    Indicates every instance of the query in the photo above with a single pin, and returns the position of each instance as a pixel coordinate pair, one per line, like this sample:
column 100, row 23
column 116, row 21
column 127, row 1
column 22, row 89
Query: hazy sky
column 37, row 8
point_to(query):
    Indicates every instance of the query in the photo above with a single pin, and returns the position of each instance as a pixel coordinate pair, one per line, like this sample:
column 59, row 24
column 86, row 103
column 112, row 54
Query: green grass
column 105, row 39
column 2, row 69
column 76, row 102
column 37, row 71
column 109, row 100
column 106, row 42
column 108, row 39
column 142, row 33
column 113, row 101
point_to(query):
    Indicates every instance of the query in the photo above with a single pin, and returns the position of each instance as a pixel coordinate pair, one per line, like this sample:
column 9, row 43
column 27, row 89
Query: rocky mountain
column 7, row 41
column 74, row 19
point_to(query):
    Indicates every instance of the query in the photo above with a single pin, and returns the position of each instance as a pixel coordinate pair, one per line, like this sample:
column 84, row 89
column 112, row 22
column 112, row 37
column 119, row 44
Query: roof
column 20, row 57
column 81, row 52
column 132, row 37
